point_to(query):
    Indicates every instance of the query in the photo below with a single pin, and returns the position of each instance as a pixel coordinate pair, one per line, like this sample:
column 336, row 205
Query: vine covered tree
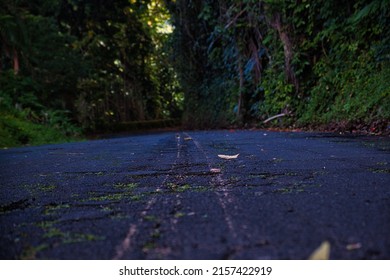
column 315, row 61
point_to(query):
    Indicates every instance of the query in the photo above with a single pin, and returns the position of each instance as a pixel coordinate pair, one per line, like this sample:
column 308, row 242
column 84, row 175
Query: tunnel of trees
column 69, row 67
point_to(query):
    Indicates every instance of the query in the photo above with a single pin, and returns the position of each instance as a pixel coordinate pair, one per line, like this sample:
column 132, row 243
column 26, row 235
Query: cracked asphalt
column 170, row 196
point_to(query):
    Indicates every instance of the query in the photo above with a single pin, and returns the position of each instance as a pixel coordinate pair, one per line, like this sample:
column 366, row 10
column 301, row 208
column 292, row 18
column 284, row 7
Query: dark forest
column 69, row 68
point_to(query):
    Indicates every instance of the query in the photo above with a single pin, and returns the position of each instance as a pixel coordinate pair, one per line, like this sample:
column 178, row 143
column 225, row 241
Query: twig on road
column 275, row 117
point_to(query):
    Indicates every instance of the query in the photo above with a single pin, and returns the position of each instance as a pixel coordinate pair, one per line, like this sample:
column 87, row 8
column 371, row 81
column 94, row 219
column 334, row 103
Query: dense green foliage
column 68, row 66
column 318, row 61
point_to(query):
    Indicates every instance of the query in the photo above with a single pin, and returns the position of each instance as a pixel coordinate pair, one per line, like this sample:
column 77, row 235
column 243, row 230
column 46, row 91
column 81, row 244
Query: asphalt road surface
column 170, row 196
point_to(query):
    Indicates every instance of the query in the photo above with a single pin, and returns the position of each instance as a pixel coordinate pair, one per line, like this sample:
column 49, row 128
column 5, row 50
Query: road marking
column 126, row 243
column 223, row 196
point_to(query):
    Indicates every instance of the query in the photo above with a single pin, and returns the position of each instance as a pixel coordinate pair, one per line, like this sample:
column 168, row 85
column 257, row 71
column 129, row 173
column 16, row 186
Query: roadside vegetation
column 69, row 67
column 317, row 63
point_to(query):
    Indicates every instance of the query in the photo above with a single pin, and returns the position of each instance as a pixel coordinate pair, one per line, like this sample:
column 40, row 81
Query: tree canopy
column 87, row 64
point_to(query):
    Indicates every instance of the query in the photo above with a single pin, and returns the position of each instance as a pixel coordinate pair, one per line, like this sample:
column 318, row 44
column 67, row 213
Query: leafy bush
column 359, row 92
column 24, row 120
column 15, row 131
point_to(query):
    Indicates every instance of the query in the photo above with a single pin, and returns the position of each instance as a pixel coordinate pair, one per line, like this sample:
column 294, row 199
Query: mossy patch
column 296, row 187
column 126, row 186
column 380, row 170
column 46, row 188
column 178, row 188
column 51, row 230
column 113, row 197
column 52, row 208
column 151, row 218
column 30, row 252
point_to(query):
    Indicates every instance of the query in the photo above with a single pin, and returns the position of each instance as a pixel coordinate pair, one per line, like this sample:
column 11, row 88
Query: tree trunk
column 16, row 61
column 240, row 91
column 287, row 48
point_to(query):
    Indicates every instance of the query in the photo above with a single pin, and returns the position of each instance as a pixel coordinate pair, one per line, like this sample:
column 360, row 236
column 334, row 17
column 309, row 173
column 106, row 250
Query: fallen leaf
column 322, row 252
column 215, row 170
column 228, row 157
column 354, row 246
column 187, row 138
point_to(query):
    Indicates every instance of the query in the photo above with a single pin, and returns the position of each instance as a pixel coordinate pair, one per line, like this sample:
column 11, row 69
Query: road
column 170, row 196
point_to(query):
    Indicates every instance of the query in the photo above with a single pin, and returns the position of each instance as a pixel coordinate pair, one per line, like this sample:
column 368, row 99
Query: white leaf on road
column 228, row 157
column 215, row 170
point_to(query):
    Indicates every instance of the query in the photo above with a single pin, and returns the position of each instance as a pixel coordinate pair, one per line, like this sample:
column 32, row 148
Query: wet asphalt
column 170, row 196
